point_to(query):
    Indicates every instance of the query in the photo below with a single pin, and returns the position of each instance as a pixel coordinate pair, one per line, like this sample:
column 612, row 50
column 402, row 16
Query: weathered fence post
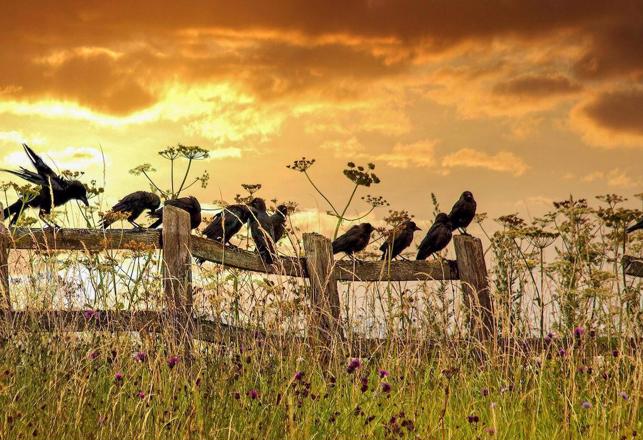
column 5, row 241
column 177, row 274
column 325, row 323
column 472, row 270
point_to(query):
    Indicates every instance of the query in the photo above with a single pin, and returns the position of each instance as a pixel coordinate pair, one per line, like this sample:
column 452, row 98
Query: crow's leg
column 404, row 258
column 463, row 231
column 50, row 225
column 136, row 225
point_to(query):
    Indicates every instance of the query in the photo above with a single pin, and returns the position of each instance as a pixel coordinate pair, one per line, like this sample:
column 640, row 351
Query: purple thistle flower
column 353, row 365
column 586, row 405
column 623, row 395
column 386, row 387
column 89, row 314
column 579, row 331
column 140, row 356
column 383, row 373
column 364, row 381
column 172, row 361
column 615, row 353
column 118, row 377
column 562, row 352
column 140, row 395
column 485, row 392
column 299, row 375
column 92, row 355
column 253, row 394
column 473, row 418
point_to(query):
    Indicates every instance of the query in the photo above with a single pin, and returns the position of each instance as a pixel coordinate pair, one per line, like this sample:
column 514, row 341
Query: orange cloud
column 503, row 161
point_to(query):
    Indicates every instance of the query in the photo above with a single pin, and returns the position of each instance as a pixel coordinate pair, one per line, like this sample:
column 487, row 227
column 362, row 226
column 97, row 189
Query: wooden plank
column 633, row 265
column 83, row 239
column 5, row 297
column 475, row 285
column 241, row 259
column 396, row 270
column 177, row 272
column 324, row 320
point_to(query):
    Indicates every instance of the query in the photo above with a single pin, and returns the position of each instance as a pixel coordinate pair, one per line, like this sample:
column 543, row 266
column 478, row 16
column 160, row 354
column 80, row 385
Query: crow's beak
column 418, row 229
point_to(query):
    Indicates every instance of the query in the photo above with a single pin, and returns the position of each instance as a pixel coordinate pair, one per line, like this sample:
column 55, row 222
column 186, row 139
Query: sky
column 521, row 102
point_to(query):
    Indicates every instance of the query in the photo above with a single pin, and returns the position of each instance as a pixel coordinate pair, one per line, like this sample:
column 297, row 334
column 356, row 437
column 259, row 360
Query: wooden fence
column 178, row 247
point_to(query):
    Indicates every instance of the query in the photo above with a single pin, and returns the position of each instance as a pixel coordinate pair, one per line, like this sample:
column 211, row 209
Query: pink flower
column 253, row 394
column 172, row 361
column 382, row 373
column 140, row 395
column 140, row 356
column 118, row 377
column 386, row 387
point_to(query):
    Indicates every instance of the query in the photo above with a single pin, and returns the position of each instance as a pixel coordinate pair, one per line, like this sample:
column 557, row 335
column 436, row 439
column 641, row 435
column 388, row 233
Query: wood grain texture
column 177, row 271
column 396, row 270
column 324, row 297
column 472, row 270
column 633, row 265
column 92, row 240
column 5, row 297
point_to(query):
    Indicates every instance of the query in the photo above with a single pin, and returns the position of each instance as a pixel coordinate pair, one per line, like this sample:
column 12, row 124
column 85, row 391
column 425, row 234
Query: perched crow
column 353, row 240
column 227, row 223
column 133, row 204
column 636, row 226
column 437, row 238
column 261, row 230
column 278, row 220
column 463, row 212
column 51, row 184
column 189, row 204
column 399, row 239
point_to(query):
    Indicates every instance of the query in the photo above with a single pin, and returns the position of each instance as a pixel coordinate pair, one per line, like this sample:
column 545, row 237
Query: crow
column 261, row 230
column 399, row 239
column 133, row 204
column 227, row 223
column 437, row 238
column 463, row 212
column 55, row 190
column 636, row 226
column 353, row 240
column 189, row 204
column 278, row 220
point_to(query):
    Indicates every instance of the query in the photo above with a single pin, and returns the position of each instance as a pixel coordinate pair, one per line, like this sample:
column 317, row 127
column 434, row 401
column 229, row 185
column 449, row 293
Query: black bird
column 437, row 238
column 278, row 221
column 133, row 204
column 353, row 240
column 189, row 204
column 227, row 223
column 463, row 212
column 261, row 230
column 636, row 226
column 399, row 239
column 55, row 190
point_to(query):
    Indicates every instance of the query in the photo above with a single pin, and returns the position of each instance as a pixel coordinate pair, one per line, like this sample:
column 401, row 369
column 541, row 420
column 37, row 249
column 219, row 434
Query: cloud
column 503, row 161
column 69, row 158
column 536, row 86
column 611, row 119
column 14, row 138
column 420, row 154
column 615, row 178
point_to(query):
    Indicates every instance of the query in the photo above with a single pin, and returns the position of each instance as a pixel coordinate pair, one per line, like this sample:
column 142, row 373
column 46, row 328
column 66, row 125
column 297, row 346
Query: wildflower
column 364, row 381
column 473, row 418
column 485, row 392
column 140, row 395
column 586, row 404
column 253, row 394
column 579, row 331
column 236, row 395
column 118, row 377
column 615, row 353
column 92, row 355
column 353, row 365
column 562, row 352
column 89, row 314
column 550, row 337
column 299, row 375
column 382, row 373
column 140, row 356
column 623, row 395
column 386, row 387
column 172, row 361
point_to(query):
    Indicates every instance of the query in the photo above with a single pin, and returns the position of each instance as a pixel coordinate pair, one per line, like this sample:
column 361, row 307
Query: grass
column 105, row 387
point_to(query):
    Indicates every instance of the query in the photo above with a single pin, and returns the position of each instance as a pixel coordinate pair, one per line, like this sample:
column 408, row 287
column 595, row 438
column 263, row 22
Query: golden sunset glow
column 520, row 102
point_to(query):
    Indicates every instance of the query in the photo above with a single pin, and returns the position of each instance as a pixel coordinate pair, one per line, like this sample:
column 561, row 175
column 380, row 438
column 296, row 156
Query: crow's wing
column 49, row 176
column 636, row 226
column 346, row 241
column 131, row 202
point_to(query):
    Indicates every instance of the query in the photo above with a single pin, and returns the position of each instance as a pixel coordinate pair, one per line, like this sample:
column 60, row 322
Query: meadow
column 566, row 362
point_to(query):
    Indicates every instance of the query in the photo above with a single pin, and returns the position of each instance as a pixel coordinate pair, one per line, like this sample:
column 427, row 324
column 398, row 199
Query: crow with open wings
column 55, row 190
